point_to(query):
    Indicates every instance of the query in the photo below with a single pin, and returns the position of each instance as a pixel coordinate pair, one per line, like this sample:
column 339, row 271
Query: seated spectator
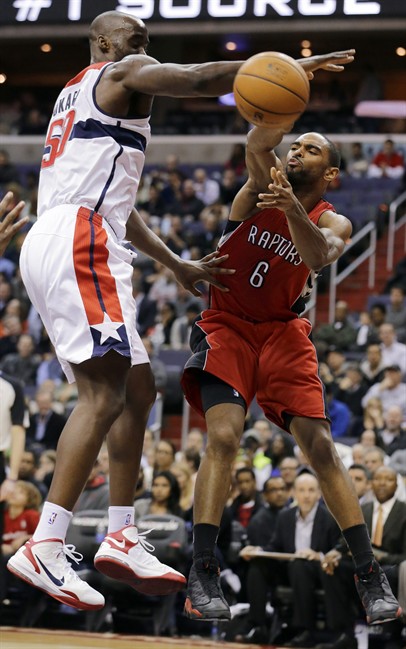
column 309, row 531
column 236, row 161
column 11, row 330
column 352, row 388
column 337, row 365
column 183, row 474
column 375, row 458
column 394, row 434
column 164, row 456
column 341, row 334
column 173, row 233
column 155, row 203
column 46, row 425
column 21, row 516
column 187, row 204
column 357, row 165
column 372, row 366
column 370, row 438
column 289, row 470
column 393, row 352
column 160, row 335
column 361, row 478
column 182, row 327
column 387, row 162
column 259, row 531
column 373, row 415
column 20, row 520
column 391, row 391
column 385, row 517
column 27, row 471
column 230, row 185
column 249, row 499
column 368, row 326
column 259, row 462
column 46, row 467
column 396, row 313
column 207, row 189
column 23, row 365
column 163, row 285
column 95, row 494
column 158, row 367
column 339, row 414
column 146, row 308
column 164, row 498
column 280, row 447
column 50, row 369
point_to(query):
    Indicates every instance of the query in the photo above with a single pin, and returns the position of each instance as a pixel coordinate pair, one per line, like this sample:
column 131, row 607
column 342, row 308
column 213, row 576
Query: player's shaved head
column 108, row 21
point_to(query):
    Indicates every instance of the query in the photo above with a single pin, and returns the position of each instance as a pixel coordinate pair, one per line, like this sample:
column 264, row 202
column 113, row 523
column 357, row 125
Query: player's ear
column 103, row 43
column 331, row 173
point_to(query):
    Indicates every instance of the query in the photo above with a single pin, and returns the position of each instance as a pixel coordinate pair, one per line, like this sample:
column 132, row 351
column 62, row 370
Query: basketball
column 271, row 88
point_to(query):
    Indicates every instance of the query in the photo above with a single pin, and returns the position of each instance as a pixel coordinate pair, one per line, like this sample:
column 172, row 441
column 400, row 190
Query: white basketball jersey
column 90, row 158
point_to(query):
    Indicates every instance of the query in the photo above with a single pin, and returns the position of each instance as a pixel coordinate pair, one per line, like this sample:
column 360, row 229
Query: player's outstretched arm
column 9, row 226
column 143, row 74
column 187, row 273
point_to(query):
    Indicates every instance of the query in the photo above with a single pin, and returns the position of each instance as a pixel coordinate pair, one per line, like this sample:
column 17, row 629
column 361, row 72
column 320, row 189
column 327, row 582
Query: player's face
column 307, row 159
column 129, row 38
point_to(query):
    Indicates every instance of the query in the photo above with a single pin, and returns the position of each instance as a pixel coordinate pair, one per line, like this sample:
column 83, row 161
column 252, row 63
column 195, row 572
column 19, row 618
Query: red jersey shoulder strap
column 79, row 77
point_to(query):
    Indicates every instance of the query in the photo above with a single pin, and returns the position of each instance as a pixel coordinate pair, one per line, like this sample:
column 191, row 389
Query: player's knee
column 322, row 453
column 223, row 441
column 108, row 406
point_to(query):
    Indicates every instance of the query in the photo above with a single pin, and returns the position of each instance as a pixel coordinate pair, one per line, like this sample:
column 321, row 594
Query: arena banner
column 18, row 12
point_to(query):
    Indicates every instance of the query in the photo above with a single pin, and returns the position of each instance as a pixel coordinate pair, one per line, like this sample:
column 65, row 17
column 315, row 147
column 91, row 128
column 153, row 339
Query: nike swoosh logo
column 55, row 580
column 119, row 544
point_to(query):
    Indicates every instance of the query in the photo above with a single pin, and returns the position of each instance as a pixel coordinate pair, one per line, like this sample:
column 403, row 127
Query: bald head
column 114, row 35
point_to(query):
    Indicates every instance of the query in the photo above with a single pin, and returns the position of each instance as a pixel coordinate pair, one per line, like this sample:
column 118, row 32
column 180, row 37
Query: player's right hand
column 189, row 273
column 9, row 226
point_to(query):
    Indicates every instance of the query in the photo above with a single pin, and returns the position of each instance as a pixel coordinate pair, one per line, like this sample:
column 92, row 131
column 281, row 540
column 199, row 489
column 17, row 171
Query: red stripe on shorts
column 96, row 284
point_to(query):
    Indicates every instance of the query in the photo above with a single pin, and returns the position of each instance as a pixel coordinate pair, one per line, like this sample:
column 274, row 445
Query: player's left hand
column 189, row 273
column 280, row 193
column 333, row 62
column 9, row 226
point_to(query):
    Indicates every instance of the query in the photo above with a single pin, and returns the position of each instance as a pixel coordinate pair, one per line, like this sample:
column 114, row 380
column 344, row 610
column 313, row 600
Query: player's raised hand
column 280, row 193
column 333, row 62
column 9, row 226
column 189, row 273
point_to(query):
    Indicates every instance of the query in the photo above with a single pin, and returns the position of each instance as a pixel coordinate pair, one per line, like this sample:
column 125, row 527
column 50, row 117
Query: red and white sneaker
column 126, row 555
column 44, row 564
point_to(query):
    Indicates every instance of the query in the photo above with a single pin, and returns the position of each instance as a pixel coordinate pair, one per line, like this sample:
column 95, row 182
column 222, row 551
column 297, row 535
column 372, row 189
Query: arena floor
column 15, row 638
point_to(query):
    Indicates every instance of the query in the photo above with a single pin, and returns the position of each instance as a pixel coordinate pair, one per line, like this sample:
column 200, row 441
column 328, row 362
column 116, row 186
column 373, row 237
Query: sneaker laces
column 147, row 557
column 71, row 552
column 208, row 572
column 374, row 581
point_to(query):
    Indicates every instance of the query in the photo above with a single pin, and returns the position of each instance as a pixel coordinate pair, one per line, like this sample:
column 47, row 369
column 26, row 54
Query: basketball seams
column 260, row 108
column 279, row 85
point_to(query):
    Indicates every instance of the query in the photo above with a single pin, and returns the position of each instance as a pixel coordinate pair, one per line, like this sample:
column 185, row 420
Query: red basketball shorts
column 274, row 360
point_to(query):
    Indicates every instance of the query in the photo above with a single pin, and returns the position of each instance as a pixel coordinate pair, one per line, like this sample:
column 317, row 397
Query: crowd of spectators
column 362, row 366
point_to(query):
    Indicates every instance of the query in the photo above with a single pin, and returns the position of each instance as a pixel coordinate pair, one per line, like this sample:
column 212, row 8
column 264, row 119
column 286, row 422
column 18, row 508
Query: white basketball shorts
column 78, row 278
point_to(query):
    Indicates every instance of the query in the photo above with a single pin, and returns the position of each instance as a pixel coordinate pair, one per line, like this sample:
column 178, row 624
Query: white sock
column 120, row 517
column 53, row 524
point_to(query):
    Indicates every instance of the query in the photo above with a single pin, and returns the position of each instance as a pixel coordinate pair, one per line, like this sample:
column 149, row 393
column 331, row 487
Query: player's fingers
column 4, row 203
column 213, row 255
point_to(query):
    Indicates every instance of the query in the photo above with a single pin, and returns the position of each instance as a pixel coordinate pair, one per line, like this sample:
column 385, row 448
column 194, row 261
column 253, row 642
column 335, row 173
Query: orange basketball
column 271, row 88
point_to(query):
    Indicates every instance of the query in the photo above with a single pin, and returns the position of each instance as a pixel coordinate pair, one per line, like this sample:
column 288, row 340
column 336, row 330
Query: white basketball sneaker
column 125, row 555
column 44, row 564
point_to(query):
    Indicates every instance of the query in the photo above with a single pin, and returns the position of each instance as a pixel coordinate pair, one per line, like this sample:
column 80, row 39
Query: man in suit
column 46, row 425
column 259, row 531
column 309, row 531
column 385, row 517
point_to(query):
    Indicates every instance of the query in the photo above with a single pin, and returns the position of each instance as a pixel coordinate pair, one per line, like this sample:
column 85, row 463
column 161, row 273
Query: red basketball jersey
column 270, row 274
